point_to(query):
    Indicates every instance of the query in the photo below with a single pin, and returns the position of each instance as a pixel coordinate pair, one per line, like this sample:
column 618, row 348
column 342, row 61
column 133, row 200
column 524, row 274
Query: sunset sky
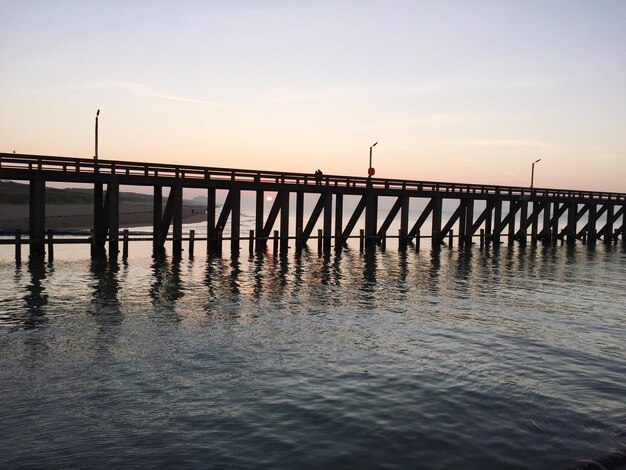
column 469, row 91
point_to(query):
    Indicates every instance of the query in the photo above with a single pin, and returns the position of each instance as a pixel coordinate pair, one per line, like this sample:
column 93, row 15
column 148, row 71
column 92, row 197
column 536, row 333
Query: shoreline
column 80, row 216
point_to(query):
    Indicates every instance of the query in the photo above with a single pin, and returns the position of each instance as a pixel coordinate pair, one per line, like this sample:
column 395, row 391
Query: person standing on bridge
column 318, row 177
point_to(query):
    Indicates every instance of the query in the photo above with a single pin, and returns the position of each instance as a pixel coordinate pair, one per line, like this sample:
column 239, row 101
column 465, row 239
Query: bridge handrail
column 117, row 167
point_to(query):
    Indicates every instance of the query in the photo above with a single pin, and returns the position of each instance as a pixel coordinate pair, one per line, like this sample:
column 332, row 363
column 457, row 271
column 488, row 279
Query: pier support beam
column 299, row 220
column 545, row 233
column 173, row 215
column 591, row 224
column 371, row 217
column 396, row 208
column 468, row 223
column 404, row 223
column 211, row 236
column 511, row 218
column 176, row 194
column 157, row 216
column 284, row 221
column 328, row 220
column 112, row 206
column 437, row 209
column 261, row 240
column 523, row 222
column 497, row 223
column 338, row 221
column 37, row 222
column 572, row 217
column 106, row 217
column 353, row 221
column 235, row 221
column 608, row 228
column 100, row 222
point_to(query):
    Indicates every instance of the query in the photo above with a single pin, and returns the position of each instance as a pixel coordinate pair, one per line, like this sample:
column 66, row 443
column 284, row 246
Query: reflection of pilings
column 166, row 288
column 36, row 299
column 369, row 267
column 105, row 271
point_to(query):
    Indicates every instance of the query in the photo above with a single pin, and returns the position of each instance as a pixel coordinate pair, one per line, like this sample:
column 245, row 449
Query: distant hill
column 18, row 193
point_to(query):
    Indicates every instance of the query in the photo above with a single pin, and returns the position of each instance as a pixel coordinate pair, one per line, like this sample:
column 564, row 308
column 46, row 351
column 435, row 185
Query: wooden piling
column 251, row 242
column 92, row 240
column 18, row 245
column 361, row 240
column 50, row 245
column 37, row 222
column 192, row 237
column 451, row 238
column 320, row 240
column 401, row 240
column 276, row 240
column 482, row 237
column 218, row 241
column 298, row 239
column 417, row 241
column 125, row 244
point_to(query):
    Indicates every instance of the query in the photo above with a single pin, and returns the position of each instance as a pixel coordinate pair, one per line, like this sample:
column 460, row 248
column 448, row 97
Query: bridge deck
column 68, row 169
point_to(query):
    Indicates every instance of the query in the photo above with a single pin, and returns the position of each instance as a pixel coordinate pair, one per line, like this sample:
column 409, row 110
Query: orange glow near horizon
column 472, row 95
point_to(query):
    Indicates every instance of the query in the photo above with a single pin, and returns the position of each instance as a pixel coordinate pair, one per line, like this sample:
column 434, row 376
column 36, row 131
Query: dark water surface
column 508, row 358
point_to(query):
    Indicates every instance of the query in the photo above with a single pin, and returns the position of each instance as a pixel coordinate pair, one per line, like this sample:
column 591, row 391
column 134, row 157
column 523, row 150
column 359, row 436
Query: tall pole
column 96, row 155
column 532, row 173
column 369, row 171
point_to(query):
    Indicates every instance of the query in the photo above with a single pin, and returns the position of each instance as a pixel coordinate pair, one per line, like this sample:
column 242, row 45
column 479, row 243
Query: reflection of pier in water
column 485, row 212
column 230, row 285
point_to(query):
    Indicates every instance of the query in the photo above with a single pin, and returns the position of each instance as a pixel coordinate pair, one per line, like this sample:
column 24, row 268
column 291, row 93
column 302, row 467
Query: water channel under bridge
column 489, row 213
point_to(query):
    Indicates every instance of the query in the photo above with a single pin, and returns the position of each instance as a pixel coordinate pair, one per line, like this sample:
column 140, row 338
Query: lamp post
column 96, row 155
column 532, row 173
column 370, row 170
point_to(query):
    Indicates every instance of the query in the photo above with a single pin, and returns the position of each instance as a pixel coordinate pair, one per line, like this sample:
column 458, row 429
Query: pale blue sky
column 455, row 91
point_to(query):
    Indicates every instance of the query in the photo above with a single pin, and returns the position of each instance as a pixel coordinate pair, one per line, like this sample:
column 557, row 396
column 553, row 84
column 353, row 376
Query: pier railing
column 86, row 167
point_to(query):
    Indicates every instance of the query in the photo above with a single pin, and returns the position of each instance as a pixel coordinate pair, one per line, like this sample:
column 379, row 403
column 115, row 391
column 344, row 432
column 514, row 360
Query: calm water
column 508, row 358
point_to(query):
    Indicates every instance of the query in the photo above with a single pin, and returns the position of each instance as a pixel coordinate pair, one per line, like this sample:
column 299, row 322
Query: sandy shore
column 80, row 216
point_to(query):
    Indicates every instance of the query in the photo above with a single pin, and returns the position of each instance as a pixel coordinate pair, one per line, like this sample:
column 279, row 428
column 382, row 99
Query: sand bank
column 80, row 216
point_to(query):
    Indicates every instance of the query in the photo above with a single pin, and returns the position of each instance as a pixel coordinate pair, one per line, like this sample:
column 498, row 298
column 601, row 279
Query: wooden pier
column 485, row 212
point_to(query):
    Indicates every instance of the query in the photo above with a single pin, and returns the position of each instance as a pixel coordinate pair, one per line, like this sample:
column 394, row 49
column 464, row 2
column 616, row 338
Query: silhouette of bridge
column 488, row 212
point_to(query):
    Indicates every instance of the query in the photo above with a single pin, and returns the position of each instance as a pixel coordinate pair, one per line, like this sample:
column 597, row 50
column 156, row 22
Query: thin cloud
column 283, row 97
column 426, row 120
column 505, row 143
column 469, row 84
column 143, row 90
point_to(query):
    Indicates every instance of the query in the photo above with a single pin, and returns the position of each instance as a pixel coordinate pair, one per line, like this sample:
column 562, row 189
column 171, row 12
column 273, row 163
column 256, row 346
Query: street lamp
column 370, row 170
column 96, row 155
column 532, row 173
